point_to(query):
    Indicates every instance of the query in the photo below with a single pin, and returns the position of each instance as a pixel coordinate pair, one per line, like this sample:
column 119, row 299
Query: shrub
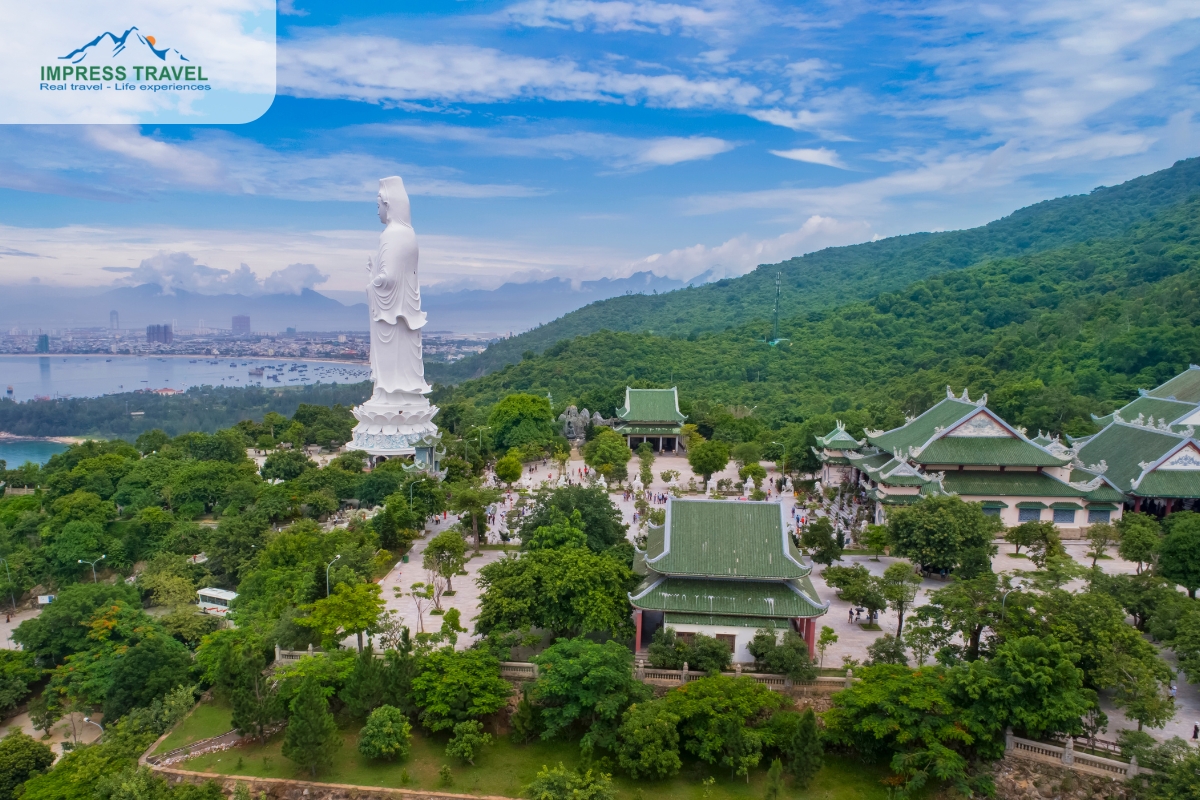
column 467, row 740
column 387, row 734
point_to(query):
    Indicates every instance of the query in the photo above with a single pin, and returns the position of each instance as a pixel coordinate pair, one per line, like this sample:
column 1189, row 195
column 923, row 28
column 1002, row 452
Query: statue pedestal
column 397, row 424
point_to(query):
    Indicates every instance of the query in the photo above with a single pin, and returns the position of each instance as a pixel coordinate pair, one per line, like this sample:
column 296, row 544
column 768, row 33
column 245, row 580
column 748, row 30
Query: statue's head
column 393, row 201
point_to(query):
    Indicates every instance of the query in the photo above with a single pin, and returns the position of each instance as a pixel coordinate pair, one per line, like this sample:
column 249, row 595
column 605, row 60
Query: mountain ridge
column 834, row 276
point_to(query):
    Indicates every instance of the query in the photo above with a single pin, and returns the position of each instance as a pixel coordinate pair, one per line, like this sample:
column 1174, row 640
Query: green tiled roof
column 892, row 474
column 655, row 540
column 720, row 538
column 871, row 461
column 1122, row 446
column 919, row 431
column 1170, row 483
column 1104, row 491
column 1184, row 386
column 993, row 483
column 900, row 499
column 837, row 439
column 777, row 623
column 1074, row 506
column 651, row 405
column 841, row 461
column 746, row 598
column 987, row 451
column 1148, row 406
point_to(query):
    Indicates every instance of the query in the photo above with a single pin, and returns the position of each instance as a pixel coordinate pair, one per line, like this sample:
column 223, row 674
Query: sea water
column 53, row 376
column 16, row 452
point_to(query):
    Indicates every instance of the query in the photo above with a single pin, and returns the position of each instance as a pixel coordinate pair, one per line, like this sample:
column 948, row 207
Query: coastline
column 190, row 357
column 5, row 436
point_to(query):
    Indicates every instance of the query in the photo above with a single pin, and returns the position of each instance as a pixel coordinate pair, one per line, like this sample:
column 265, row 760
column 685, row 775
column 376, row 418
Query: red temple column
column 637, row 637
column 1170, row 502
column 1137, row 504
column 810, row 631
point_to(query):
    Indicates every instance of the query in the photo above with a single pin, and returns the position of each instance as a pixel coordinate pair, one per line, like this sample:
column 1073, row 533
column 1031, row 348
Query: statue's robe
column 394, row 300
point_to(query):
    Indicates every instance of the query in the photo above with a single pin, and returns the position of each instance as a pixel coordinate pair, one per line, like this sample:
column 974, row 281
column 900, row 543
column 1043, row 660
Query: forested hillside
column 201, row 408
column 1051, row 336
column 832, row 277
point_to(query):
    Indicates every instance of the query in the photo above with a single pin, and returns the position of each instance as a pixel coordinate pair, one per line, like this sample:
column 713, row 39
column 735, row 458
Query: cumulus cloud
column 820, row 155
column 741, row 254
column 622, row 152
column 381, row 69
column 181, row 272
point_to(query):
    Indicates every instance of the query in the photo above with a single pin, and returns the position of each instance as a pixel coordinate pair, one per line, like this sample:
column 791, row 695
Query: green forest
column 832, row 277
column 1052, row 337
column 201, row 408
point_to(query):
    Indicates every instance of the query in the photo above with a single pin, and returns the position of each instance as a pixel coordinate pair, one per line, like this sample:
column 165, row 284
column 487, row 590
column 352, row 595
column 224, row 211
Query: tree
column 21, row 757
column 1140, row 536
column 899, row 587
column 877, row 539
column 18, row 670
column 1139, row 691
column 789, row 657
column 708, row 458
column 364, row 690
column 521, row 419
column 560, row 783
column 803, row 750
column 147, row 670
column 942, row 533
column 60, row 630
column 1042, row 539
column 445, row 555
column 467, row 741
column 286, row 465
column 386, row 735
column 1022, row 535
column 1179, row 554
column 648, row 741
column 508, row 469
column 887, row 649
column 569, row 591
column 608, row 454
column 563, row 531
column 1101, row 536
column 775, row 787
column 457, row 685
column 827, row 639
column 472, row 499
column 350, row 609
column 701, row 653
column 821, row 543
column 235, row 660
column 1031, row 683
column 601, row 519
column 311, row 738
column 967, row 607
column 715, row 714
column 582, row 685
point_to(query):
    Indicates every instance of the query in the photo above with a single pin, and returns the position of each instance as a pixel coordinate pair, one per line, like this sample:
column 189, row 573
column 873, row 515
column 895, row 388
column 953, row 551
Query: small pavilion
column 835, row 465
column 651, row 415
column 724, row 569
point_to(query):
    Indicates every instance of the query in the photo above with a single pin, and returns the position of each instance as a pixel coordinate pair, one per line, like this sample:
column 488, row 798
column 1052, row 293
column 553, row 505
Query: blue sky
column 586, row 138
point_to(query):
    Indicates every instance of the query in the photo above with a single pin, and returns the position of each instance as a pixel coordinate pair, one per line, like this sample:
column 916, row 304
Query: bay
column 54, row 376
column 15, row 452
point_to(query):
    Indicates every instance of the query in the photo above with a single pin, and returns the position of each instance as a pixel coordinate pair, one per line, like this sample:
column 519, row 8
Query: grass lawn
column 208, row 720
column 505, row 768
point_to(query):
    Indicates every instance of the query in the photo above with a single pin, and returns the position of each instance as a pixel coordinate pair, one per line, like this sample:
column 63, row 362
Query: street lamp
column 97, row 724
column 93, row 563
column 410, row 491
column 1004, row 599
column 481, row 429
column 327, row 566
column 10, row 592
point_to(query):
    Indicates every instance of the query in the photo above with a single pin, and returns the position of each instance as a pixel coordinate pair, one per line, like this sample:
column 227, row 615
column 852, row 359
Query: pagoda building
column 962, row 447
column 835, row 465
column 724, row 569
column 651, row 415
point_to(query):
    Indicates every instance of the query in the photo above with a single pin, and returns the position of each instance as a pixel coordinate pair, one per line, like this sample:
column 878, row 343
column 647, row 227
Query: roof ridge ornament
column 982, row 401
column 1189, row 431
column 1117, row 416
column 965, row 398
column 949, row 392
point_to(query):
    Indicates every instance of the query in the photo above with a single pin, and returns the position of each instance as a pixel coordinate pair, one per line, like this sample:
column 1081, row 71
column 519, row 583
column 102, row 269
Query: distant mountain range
column 513, row 307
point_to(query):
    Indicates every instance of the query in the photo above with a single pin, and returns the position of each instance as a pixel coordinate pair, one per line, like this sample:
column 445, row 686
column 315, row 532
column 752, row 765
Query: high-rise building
column 159, row 333
column 43, row 343
column 114, row 320
column 241, row 325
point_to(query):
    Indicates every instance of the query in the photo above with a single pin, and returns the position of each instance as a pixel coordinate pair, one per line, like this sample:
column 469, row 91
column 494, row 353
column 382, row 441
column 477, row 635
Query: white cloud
column 741, row 254
column 618, row 151
column 180, row 271
column 821, row 155
column 618, row 16
column 293, row 278
column 380, row 69
column 116, row 161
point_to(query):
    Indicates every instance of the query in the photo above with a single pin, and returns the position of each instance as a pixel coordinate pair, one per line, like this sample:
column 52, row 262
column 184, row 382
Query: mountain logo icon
column 130, row 38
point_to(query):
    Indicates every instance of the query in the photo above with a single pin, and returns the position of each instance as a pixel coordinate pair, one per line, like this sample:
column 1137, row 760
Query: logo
column 168, row 70
column 119, row 43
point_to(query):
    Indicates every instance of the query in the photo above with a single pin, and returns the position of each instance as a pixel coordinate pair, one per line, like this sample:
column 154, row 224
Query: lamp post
column 481, row 429
column 410, row 491
column 93, row 563
column 1004, row 599
column 93, row 722
column 10, row 591
column 327, row 566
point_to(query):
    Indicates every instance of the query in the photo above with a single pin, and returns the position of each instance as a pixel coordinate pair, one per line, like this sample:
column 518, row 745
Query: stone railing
column 283, row 657
column 518, row 670
column 210, row 745
column 1069, row 757
column 287, row 789
column 776, row 683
